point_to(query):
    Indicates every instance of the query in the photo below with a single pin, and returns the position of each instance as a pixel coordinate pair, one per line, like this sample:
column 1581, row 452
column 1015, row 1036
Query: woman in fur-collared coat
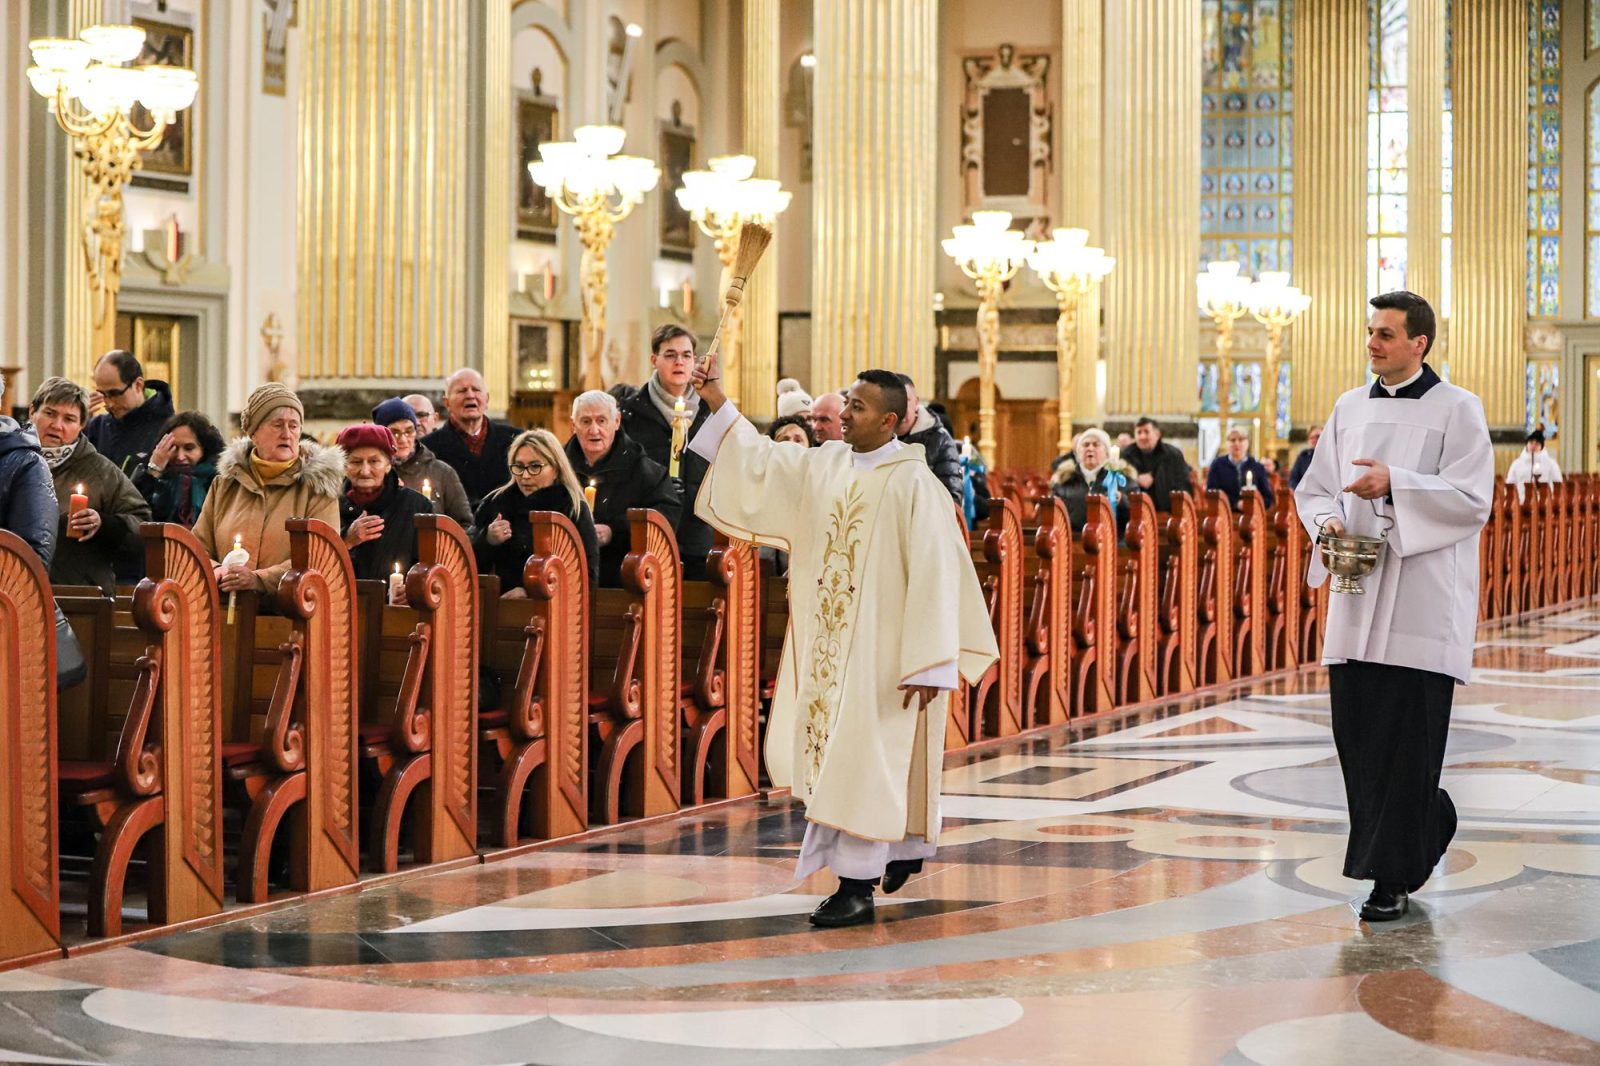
column 263, row 480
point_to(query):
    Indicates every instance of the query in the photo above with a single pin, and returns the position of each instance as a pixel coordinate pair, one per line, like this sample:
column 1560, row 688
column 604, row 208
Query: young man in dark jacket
column 1160, row 468
column 623, row 477
column 647, row 417
column 136, row 410
column 471, row 443
column 939, row 447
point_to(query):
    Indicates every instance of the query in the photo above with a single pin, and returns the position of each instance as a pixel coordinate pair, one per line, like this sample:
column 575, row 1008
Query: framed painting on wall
column 170, row 164
column 677, row 157
column 538, row 119
column 538, row 354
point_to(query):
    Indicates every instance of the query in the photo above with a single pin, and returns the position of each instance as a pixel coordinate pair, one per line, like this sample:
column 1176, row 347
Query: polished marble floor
column 1159, row 890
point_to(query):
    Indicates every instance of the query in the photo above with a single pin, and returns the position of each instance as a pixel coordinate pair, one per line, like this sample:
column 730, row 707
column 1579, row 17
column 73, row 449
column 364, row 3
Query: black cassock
column 1389, row 725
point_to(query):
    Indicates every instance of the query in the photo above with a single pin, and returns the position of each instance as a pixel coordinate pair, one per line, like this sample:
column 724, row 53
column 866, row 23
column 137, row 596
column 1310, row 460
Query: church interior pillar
column 1488, row 299
column 1152, row 215
column 1080, row 130
column 1425, row 32
column 1330, row 213
column 384, row 184
column 758, row 356
column 493, row 338
column 874, row 181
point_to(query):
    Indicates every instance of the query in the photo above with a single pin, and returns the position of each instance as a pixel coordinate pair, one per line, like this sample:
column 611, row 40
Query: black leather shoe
column 899, row 872
column 842, row 909
column 1385, row 904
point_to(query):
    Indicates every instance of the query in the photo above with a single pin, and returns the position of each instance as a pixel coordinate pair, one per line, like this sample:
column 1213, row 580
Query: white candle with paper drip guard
column 1250, row 479
column 680, row 433
column 397, row 586
column 237, row 557
column 427, row 489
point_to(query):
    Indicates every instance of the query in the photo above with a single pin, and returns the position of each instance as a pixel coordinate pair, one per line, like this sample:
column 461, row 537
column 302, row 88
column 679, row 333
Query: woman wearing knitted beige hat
column 264, row 479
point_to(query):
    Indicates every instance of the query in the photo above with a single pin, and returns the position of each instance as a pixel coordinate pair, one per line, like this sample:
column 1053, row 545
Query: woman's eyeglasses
column 530, row 470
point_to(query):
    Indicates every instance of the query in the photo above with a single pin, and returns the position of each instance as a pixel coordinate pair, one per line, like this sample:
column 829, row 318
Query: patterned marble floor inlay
column 1163, row 889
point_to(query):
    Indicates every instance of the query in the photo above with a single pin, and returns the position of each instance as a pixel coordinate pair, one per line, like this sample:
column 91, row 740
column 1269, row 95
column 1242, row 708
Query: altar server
column 1534, row 465
column 886, row 618
column 1407, row 458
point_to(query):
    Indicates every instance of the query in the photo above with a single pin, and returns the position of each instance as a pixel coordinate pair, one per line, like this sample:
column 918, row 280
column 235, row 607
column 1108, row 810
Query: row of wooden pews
column 332, row 737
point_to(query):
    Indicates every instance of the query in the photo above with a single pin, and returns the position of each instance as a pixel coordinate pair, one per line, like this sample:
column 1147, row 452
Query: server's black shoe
column 843, row 908
column 898, row 872
column 1387, row 903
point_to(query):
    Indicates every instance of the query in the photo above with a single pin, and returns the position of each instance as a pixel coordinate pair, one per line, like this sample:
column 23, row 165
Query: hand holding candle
column 237, row 557
column 680, row 433
column 77, row 502
column 427, row 489
column 397, row 588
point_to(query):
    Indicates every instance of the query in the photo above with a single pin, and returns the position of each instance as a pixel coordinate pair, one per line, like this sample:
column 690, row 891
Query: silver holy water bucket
column 1349, row 557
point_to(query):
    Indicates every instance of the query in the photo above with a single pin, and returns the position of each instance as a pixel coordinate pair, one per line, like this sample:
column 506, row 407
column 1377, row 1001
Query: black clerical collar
column 1411, row 390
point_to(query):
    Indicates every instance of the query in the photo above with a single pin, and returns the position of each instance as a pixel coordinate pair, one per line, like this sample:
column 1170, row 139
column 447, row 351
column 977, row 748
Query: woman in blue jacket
column 1232, row 472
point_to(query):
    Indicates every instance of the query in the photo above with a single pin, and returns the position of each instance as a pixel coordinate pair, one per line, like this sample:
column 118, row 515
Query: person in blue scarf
column 178, row 474
column 1093, row 469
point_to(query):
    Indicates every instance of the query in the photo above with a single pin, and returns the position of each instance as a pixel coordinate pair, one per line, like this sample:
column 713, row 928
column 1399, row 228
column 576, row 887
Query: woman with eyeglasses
column 541, row 480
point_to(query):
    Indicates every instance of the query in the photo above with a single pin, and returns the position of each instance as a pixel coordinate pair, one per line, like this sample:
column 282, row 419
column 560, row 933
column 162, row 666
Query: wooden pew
column 1218, row 562
column 1094, row 663
column 30, row 887
column 999, row 711
column 1250, row 588
column 1179, row 640
column 428, row 734
column 1138, row 628
column 1291, row 550
column 721, row 704
column 774, row 634
column 1513, row 589
column 164, row 783
column 1047, row 672
column 1491, row 565
column 512, row 733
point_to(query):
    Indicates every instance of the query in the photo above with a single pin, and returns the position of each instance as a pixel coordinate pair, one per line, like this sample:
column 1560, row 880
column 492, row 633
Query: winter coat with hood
column 129, row 440
column 122, row 512
column 239, row 505
column 398, row 506
column 27, row 496
column 645, row 423
column 179, row 493
column 944, row 455
column 449, row 496
column 625, row 477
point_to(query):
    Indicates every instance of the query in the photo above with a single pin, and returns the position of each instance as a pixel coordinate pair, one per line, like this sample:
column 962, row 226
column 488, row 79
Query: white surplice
column 882, row 594
column 1421, row 604
column 1529, row 466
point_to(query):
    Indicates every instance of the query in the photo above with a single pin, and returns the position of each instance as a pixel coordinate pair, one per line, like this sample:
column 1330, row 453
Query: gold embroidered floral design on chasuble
column 836, row 590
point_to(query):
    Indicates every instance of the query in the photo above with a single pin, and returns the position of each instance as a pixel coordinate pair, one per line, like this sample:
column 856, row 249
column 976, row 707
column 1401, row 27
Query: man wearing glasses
column 416, row 464
column 135, row 410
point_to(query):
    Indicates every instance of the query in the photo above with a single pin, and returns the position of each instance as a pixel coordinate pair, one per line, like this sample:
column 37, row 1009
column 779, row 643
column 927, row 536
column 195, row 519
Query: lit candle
column 1249, row 479
column 78, row 502
column 549, row 283
column 679, row 432
column 666, row 296
column 397, row 587
column 589, row 493
column 427, row 489
column 237, row 557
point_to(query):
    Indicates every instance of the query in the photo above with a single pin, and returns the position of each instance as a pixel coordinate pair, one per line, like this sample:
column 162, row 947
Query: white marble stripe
column 503, row 918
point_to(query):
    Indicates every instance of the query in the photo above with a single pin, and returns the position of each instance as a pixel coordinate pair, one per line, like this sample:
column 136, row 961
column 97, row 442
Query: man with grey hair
column 471, row 443
column 623, row 477
column 427, row 418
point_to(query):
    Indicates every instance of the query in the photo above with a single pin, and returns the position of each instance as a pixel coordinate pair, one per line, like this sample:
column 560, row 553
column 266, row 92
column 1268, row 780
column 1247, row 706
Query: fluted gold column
column 494, row 81
column 1425, row 33
column 1330, row 215
column 81, row 343
column 1080, row 133
column 874, row 177
column 758, row 350
column 1491, row 124
column 1152, row 207
column 382, row 188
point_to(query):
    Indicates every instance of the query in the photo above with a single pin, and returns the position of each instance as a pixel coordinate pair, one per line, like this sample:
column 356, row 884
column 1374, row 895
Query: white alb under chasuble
column 881, row 590
column 1421, row 604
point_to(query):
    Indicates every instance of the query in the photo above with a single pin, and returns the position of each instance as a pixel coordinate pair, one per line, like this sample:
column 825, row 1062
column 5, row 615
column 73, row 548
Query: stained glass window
column 1541, row 399
column 1594, row 26
column 1246, row 106
column 1544, row 158
column 1388, row 141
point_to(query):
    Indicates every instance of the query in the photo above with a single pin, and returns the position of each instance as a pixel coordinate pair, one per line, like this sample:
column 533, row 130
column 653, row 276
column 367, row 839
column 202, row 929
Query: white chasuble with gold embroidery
column 881, row 590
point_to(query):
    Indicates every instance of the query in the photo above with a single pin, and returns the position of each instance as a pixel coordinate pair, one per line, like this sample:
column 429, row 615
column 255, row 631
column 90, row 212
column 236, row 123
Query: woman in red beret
column 377, row 513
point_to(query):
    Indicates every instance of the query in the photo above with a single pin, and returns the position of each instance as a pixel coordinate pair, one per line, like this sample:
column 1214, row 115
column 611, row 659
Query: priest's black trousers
column 1390, row 725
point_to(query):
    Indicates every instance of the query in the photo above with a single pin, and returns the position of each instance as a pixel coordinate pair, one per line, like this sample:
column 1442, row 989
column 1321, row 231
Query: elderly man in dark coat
column 919, row 426
column 623, row 477
column 473, row 444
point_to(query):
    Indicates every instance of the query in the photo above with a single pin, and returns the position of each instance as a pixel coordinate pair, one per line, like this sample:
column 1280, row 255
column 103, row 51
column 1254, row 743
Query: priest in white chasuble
column 885, row 618
column 1408, row 458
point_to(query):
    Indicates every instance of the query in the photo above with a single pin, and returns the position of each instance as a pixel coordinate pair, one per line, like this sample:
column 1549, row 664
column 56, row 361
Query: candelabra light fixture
column 1275, row 304
column 1224, row 296
column 1070, row 268
column 990, row 253
column 590, row 180
column 721, row 200
column 91, row 91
